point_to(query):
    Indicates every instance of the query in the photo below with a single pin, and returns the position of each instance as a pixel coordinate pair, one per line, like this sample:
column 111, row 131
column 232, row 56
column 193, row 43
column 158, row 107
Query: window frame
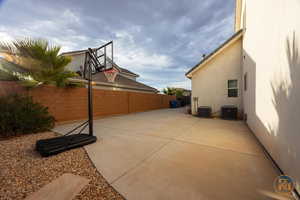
column 233, row 88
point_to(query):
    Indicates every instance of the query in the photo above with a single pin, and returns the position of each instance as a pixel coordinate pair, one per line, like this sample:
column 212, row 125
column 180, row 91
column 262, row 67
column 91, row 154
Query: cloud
column 160, row 40
column 131, row 54
column 5, row 37
column 50, row 29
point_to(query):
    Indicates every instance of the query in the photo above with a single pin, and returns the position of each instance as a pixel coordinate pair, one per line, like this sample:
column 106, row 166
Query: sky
column 158, row 39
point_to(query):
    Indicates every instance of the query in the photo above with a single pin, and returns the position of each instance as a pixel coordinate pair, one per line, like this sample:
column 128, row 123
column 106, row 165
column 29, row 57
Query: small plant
column 20, row 115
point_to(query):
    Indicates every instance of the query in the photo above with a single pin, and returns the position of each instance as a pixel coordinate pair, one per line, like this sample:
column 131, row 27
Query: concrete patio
column 166, row 154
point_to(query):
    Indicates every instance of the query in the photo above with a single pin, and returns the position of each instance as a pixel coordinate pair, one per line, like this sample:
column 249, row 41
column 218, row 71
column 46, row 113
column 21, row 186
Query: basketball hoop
column 111, row 74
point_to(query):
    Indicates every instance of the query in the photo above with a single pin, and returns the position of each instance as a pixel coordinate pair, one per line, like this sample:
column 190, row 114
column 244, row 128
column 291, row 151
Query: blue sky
column 158, row 39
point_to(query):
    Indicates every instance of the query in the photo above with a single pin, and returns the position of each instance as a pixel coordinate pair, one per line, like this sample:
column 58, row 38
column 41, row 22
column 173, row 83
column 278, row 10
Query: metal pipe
column 105, row 57
column 77, row 127
column 103, row 45
column 85, row 64
column 112, row 53
column 90, row 100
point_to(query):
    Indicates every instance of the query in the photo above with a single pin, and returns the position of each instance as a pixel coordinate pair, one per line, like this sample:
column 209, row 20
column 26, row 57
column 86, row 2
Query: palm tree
column 35, row 62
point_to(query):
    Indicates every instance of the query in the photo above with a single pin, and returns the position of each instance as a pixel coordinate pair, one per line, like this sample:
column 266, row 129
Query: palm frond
column 39, row 60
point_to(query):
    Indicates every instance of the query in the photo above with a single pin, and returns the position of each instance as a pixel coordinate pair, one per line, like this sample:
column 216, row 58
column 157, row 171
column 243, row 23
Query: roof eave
column 73, row 53
column 218, row 50
column 130, row 74
column 105, row 84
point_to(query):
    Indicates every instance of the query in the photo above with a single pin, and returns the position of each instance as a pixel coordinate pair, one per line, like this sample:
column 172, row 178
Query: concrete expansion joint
column 218, row 148
column 142, row 161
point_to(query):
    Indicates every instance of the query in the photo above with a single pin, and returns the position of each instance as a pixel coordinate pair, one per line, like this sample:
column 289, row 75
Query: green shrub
column 20, row 115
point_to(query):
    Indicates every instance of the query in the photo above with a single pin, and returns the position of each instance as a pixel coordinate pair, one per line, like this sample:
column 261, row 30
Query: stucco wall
column 209, row 83
column 68, row 104
column 10, row 88
column 271, row 48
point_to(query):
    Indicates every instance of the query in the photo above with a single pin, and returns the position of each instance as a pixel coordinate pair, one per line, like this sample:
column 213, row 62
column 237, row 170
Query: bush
column 20, row 115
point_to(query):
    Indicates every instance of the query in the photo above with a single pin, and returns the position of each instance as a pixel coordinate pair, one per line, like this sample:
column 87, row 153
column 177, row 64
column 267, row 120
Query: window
column 232, row 88
column 245, row 82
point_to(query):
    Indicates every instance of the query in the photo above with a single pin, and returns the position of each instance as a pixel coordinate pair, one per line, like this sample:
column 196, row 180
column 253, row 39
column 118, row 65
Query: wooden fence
column 68, row 104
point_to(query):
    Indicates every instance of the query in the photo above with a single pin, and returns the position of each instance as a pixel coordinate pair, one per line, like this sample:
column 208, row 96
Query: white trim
column 237, row 38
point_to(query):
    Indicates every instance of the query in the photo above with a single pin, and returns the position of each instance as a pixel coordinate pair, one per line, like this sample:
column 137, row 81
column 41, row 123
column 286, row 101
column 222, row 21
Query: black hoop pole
column 112, row 53
column 105, row 56
column 90, row 101
column 92, row 59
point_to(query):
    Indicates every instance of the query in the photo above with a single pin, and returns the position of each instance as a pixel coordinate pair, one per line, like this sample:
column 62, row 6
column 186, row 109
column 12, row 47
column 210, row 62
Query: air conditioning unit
column 229, row 112
column 204, row 111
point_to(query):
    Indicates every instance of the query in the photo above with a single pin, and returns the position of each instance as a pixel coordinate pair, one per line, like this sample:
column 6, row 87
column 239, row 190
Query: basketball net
column 111, row 74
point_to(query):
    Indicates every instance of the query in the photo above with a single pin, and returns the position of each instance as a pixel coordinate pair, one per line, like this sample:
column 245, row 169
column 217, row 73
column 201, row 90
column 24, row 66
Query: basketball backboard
column 99, row 59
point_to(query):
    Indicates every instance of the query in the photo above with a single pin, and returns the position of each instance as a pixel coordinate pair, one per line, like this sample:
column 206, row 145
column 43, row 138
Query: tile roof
column 123, row 81
column 123, row 70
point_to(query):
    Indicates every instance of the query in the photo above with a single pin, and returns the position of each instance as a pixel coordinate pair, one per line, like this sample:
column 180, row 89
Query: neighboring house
column 258, row 70
column 125, row 80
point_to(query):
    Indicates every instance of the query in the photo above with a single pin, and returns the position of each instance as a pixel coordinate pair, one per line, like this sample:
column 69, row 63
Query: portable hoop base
column 57, row 145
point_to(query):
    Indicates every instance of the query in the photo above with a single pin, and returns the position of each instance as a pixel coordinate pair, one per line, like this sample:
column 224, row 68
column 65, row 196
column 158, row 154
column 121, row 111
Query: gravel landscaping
column 23, row 171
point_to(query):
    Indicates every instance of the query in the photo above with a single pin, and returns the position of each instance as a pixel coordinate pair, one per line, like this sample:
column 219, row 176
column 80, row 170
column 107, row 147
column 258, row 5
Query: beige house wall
column 209, row 83
column 271, row 47
column 77, row 61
